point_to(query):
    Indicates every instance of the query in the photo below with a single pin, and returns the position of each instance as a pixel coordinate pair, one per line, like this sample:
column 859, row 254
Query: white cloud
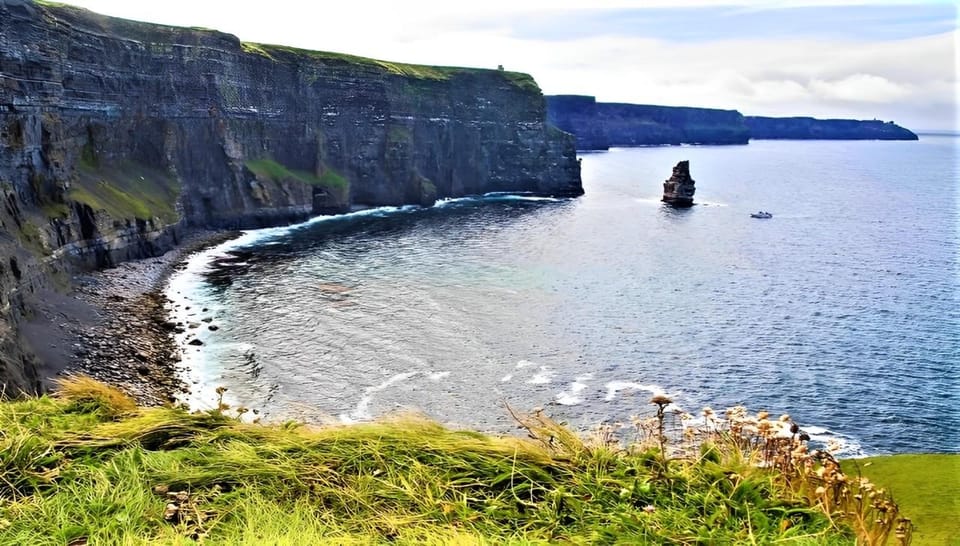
column 860, row 88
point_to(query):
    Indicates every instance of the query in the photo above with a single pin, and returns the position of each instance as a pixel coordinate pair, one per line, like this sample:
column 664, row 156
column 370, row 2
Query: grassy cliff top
column 89, row 466
column 415, row 71
column 196, row 36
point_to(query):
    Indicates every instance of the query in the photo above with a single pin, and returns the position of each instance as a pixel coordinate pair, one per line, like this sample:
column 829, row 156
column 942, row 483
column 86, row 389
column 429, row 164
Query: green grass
column 126, row 190
column 927, row 488
column 269, row 169
column 89, row 466
column 415, row 71
column 426, row 72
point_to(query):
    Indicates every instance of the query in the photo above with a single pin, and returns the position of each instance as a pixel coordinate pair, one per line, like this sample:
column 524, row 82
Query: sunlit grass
column 87, row 466
column 927, row 488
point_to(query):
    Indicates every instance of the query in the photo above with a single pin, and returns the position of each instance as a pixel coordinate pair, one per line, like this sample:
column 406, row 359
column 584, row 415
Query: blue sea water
column 843, row 310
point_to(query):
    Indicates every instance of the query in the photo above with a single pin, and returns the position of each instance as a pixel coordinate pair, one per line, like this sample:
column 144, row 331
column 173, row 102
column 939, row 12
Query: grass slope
column 126, row 190
column 88, row 466
column 927, row 488
column 268, row 169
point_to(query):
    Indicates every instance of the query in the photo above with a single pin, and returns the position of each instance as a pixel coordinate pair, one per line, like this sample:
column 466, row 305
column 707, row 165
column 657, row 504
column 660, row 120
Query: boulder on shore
column 678, row 190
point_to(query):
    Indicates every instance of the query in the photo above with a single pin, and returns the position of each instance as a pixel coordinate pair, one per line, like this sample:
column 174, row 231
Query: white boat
column 761, row 214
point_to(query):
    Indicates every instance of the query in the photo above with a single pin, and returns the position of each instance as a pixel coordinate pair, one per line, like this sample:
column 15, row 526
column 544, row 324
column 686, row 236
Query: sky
column 890, row 60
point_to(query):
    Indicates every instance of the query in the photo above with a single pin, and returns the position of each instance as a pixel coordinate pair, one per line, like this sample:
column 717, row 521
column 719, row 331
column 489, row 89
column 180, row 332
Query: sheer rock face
column 806, row 128
column 600, row 125
column 119, row 135
column 678, row 190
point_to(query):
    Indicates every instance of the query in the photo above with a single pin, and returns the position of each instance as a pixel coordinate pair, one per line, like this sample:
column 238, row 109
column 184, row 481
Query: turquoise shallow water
column 843, row 310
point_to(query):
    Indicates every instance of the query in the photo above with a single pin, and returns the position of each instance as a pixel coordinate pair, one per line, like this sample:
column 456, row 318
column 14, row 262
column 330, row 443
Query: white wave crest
column 362, row 411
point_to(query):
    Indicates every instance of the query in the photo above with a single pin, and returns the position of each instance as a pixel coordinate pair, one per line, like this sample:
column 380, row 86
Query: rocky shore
column 115, row 326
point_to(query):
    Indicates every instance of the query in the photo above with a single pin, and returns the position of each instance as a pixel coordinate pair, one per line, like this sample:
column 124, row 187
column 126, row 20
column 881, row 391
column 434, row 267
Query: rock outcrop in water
column 599, row 125
column 678, row 190
column 117, row 136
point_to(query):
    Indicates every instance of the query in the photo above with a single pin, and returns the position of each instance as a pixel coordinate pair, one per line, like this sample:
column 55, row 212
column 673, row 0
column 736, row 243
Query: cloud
column 860, row 88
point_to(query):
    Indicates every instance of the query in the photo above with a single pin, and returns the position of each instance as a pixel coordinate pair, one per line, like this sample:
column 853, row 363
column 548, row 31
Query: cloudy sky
column 827, row 58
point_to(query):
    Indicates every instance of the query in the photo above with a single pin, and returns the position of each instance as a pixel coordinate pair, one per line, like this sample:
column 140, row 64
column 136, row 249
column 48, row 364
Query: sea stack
column 678, row 190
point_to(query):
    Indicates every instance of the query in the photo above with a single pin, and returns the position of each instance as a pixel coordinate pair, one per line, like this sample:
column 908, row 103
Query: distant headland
column 600, row 125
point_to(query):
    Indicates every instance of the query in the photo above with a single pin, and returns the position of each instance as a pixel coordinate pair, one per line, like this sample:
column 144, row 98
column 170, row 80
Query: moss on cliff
column 522, row 80
column 329, row 179
column 276, row 52
column 127, row 190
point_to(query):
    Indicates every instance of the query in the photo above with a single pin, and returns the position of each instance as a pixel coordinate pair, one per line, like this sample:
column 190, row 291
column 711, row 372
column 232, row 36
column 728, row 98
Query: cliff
column 599, row 125
column 119, row 135
column 804, row 128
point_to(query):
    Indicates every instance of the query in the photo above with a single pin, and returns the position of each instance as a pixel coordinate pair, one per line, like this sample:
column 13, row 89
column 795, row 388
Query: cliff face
column 117, row 135
column 598, row 125
column 802, row 128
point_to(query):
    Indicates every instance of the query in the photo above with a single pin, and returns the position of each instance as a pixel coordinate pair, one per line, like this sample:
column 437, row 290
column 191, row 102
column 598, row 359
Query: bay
column 843, row 310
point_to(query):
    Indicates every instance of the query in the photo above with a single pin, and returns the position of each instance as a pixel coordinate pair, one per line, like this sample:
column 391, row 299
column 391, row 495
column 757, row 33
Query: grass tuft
column 86, row 395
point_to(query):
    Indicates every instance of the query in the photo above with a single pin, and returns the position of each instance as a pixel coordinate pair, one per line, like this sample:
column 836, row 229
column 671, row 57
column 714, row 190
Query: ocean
column 843, row 310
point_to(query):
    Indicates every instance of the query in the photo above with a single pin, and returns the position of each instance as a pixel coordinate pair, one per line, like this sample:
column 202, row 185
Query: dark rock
column 213, row 327
column 678, row 190
column 598, row 125
column 806, row 128
column 195, row 341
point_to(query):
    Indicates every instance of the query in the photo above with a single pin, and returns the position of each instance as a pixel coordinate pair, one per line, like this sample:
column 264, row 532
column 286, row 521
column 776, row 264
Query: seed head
column 661, row 400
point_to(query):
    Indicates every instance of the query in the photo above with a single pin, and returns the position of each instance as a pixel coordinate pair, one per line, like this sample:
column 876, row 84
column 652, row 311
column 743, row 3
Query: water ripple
column 842, row 310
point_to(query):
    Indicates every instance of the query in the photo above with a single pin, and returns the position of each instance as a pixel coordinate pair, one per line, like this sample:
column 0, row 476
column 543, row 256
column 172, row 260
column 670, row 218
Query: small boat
column 761, row 214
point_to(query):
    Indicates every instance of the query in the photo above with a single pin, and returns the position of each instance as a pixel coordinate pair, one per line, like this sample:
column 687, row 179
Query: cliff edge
column 119, row 135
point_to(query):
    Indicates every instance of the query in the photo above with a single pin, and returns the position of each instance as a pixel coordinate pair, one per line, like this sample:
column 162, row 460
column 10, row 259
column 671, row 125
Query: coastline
column 114, row 325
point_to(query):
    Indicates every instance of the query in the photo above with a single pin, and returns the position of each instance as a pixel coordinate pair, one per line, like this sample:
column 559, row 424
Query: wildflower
column 649, row 508
column 708, row 412
column 820, row 490
column 784, row 418
column 761, row 415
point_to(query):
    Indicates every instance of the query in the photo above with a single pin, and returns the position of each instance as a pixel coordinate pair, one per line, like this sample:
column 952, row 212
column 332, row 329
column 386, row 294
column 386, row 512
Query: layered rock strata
column 678, row 190
column 119, row 136
column 806, row 128
column 599, row 125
